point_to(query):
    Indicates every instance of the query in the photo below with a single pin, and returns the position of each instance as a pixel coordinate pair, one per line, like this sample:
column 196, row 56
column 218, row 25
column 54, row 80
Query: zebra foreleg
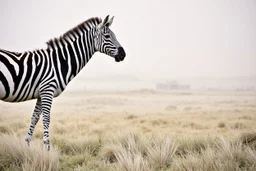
column 46, row 97
column 34, row 119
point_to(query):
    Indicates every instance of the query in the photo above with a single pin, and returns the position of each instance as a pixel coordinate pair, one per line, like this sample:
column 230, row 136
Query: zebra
column 45, row 73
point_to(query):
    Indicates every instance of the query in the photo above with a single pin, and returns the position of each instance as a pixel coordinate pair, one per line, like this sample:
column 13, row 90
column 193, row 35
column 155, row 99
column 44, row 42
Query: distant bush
column 221, row 125
column 238, row 125
column 131, row 117
column 170, row 108
column 4, row 129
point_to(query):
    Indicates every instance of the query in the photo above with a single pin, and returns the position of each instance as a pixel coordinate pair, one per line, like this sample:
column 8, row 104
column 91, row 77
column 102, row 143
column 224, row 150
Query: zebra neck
column 73, row 53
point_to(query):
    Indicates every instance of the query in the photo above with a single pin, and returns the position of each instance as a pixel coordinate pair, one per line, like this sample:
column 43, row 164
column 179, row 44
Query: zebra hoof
column 47, row 144
column 47, row 147
column 28, row 139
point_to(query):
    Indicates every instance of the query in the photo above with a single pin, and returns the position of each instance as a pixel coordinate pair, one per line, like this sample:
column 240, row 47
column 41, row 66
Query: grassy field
column 135, row 131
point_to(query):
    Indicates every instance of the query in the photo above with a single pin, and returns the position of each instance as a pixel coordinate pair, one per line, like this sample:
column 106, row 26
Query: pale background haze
column 164, row 40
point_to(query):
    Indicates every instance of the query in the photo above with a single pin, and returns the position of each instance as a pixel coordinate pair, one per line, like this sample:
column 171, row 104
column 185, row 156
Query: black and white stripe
column 44, row 74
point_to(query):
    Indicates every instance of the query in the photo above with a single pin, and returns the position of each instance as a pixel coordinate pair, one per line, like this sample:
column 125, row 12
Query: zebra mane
column 86, row 25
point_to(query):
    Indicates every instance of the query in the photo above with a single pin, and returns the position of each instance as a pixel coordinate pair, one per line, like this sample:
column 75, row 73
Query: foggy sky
column 162, row 39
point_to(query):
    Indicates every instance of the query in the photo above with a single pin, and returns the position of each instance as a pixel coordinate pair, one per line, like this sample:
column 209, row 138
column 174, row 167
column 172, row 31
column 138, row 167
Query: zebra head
column 106, row 42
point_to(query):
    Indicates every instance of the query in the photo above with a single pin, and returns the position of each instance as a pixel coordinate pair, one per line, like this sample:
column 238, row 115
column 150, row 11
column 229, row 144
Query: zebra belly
column 15, row 98
column 26, row 90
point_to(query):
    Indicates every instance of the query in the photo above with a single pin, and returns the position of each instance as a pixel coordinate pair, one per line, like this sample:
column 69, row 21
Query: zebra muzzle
column 120, row 55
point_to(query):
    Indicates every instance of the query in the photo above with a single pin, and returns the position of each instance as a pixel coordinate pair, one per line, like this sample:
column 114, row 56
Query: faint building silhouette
column 172, row 85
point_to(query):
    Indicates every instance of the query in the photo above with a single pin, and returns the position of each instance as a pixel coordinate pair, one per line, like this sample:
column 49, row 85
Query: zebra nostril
column 121, row 52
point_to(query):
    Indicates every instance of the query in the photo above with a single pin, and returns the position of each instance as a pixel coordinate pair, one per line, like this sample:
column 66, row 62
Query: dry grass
column 160, row 152
column 226, row 155
column 16, row 155
column 135, row 131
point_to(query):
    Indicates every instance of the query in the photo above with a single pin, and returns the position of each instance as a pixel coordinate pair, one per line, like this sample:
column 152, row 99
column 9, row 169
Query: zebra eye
column 107, row 36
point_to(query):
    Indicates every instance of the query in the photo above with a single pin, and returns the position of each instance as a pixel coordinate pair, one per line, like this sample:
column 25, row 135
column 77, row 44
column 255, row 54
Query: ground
column 135, row 130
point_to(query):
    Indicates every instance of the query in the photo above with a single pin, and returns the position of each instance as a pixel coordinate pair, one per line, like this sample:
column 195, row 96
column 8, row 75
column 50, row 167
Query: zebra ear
column 105, row 20
column 108, row 24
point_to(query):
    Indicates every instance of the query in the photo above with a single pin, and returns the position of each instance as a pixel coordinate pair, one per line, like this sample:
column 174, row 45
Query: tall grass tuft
column 228, row 155
column 130, row 160
column 16, row 155
column 127, row 151
column 249, row 139
column 131, row 152
column 194, row 144
column 160, row 152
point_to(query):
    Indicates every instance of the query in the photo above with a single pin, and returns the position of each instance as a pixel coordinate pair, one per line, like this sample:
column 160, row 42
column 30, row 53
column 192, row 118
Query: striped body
column 44, row 74
column 23, row 75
